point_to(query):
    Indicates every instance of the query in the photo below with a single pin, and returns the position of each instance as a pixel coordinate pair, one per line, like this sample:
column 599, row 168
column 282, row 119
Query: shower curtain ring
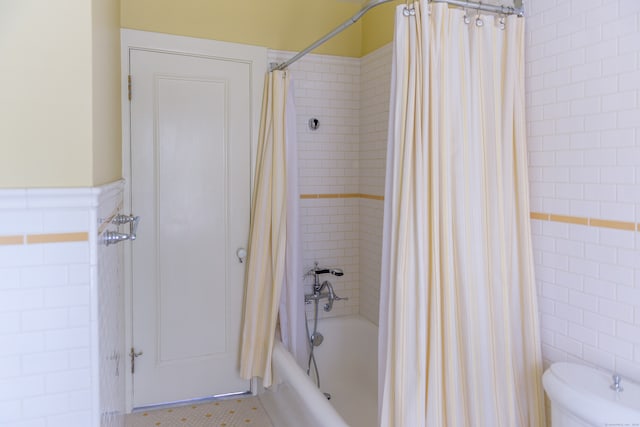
column 466, row 18
column 409, row 11
column 501, row 22
column 479, row 21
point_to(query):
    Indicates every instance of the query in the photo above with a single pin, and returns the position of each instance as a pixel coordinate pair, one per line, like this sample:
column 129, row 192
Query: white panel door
column 190, row 183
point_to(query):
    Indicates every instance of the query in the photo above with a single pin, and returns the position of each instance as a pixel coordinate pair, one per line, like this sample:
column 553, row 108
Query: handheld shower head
column 336, row 272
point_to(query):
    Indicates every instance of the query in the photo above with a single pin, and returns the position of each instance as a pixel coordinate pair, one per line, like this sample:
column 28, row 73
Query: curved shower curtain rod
column 517, row 9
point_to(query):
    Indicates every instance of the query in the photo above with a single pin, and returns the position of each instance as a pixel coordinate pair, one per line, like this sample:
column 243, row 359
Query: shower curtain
column 291, row 314
column 272, row 279
column 459, row 341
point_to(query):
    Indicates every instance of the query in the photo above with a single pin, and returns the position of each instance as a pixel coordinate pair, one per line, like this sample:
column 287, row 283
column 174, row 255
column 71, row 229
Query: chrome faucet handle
column 325, row 284
column 312, row 271
column 616, row 386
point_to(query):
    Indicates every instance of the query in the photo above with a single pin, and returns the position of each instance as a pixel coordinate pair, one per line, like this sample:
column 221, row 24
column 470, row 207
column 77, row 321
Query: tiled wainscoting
column 61, row 331
column 589, row 296
column 583, row 114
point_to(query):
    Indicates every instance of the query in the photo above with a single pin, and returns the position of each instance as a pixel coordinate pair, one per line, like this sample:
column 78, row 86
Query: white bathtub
column 347, row 360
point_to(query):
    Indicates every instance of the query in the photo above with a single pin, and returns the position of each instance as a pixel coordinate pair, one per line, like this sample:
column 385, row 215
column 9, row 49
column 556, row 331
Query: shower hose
column 312, row 358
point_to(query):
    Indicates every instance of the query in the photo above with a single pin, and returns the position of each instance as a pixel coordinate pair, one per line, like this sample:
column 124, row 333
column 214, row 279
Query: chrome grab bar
column 112, row 237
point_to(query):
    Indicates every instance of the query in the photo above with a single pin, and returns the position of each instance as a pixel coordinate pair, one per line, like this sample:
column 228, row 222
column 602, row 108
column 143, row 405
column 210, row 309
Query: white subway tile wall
column 583, row 113
column 371, row 213
column 328, row 88
column 109, row 274
column 330, row 236
column 345, row 156
column 375, row 87
column 48, row 321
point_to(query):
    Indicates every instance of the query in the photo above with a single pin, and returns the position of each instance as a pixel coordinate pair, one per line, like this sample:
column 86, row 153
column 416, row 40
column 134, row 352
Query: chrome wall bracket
column 112, row 237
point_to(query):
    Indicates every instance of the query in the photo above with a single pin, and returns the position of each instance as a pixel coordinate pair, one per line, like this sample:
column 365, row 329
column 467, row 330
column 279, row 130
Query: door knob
column 241, row 253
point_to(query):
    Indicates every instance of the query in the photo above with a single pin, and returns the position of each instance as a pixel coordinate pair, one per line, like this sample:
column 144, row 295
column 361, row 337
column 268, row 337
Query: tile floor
column 236, row 412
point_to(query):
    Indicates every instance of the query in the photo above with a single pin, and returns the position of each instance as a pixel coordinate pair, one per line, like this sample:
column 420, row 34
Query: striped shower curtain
column 459, row 342
column 273, row 283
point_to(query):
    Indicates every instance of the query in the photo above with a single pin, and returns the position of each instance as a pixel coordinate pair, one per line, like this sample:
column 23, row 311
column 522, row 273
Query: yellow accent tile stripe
column 592, row 222
column 569, row 219
column 57, row 237
column 84, row 236
column 371, row 197
column 618, row 225
column 540, row 216
column 341, row 196
column 11, row 240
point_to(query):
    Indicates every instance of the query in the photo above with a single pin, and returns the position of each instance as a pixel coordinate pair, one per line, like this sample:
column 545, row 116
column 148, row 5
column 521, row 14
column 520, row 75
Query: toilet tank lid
column 594, row 384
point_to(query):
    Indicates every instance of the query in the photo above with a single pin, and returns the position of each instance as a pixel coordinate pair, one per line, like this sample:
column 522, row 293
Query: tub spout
column 331, row 295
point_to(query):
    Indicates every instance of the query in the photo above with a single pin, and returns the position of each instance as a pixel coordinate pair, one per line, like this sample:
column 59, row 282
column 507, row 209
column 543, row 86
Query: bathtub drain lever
column 616, row 386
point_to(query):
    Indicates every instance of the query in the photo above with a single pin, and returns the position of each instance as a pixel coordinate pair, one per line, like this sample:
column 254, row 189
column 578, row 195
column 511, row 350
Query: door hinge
column 133, row 355
column 129, row 86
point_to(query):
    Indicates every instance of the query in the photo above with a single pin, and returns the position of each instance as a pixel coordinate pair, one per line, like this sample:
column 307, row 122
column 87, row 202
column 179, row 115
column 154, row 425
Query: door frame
column 255, row 56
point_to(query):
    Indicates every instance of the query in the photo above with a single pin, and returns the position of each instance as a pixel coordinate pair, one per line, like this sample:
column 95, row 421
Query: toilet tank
column 582, row 397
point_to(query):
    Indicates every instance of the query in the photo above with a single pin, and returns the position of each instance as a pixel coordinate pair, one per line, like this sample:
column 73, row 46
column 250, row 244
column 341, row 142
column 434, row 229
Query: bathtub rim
column 286, row 370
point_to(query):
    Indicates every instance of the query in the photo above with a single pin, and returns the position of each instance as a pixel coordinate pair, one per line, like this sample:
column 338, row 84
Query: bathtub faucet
column 324, row 289
column 317, row 271
column 321, row 293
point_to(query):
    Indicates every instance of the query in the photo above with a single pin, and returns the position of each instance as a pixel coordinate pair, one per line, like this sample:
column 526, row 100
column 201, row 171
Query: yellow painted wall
column 60, row 105
column 107, row 117
column 377, row 27
column 60, row 102
column 45, row 105
column 276, row 24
